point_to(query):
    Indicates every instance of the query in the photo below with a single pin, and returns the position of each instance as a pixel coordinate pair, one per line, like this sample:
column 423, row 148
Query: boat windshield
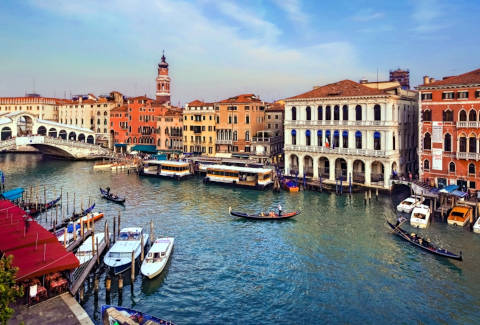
column 419, row 216
column 457, row 214
column 120, row 254
column 129, row 236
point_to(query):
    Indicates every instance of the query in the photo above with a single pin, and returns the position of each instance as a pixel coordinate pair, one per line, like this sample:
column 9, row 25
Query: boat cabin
column 242, row 176
column 166, row 168
column 158, row 250
column 460, row 215
column 130, row 234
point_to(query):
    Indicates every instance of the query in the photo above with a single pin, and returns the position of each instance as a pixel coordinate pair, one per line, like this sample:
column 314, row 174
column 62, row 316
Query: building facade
column 402, row 76
column 238, row 119
column 348, row 130
column 268, row 144
column 44, row 108
column 169, row 132
column 450, row 131
column 199, row 129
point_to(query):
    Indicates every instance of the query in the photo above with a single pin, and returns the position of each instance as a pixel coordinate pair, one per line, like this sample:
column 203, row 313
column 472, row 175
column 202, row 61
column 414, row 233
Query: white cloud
column 427, row 16
column 293, row 10
column 367, row 15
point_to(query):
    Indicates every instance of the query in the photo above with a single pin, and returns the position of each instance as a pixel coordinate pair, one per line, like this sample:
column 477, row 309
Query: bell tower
column 163, row 82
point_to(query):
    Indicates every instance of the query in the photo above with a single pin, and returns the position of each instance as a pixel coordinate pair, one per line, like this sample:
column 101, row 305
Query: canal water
column 335, row 263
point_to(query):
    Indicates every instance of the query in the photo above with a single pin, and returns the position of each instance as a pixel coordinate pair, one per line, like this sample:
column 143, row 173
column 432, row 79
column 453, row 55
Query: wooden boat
column 409, row 204
column 290, row 186
column 75, row 217
column 100, row 166
column 264, row 215
column 84, row 252
column 420, row 216
column 120, row 315
column 119, row 257
column 423, row 244
column 157, row 257
column 111, row 197
column 91, row 217
column 83, row 213
column 35, row 209
column 460, row 215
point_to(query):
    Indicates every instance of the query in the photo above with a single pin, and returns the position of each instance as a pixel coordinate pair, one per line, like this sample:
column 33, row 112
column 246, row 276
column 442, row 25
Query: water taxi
column 254, row 177
column 119, row 257
column 420, row 216
column 84, row 252
column 166, row 168
column 460, row 215
column 157, row 257
column 409, row 203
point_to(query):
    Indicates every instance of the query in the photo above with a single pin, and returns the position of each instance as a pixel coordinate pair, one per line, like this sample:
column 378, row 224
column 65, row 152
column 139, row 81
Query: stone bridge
column 51, row 138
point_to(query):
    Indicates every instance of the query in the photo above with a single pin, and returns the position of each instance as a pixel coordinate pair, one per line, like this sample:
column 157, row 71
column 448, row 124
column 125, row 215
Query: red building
column 450, row 130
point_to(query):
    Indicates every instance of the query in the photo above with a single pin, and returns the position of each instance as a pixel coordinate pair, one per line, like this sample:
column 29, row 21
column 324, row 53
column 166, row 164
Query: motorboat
column 84, row 252
column 409, row 204
column 157, row 257
column 476, row 226
column 460, row 215
column 121, row 315
column 420, row 216
column 119, row 257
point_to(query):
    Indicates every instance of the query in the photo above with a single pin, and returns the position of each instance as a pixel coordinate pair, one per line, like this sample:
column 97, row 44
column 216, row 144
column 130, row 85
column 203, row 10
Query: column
column 349, row 169
column 300, row 166
column 331, row 175
column 368, row 171
column 315, row 167
column 351, row 139
column 387, row 173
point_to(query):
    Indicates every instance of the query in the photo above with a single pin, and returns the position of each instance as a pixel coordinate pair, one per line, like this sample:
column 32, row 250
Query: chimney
column 432, row 80
column 363, row 81
column 80, row 99
column 426, row 80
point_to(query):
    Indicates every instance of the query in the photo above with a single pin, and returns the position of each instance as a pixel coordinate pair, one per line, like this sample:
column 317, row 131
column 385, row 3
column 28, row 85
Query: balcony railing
column 468, row 155
column 345, row 151
column 267, row 139
column 340, row 123
column 218, row 141
column 468, row 124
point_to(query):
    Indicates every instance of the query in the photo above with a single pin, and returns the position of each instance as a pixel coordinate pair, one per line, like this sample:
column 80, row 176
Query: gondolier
column 279, row 209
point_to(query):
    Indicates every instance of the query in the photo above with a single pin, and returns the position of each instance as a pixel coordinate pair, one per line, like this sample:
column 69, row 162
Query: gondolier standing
column 279, row 209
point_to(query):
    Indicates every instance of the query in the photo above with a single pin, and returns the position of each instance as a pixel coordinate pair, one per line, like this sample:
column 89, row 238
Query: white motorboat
column 420, row 216
column 157, row 257
column 476, row 226
column 119, row 257
column 84, row 252
column 60, row 234
column 409, row 203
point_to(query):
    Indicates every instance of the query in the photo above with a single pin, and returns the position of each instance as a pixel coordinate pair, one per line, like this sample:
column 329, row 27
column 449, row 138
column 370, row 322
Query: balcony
column 468, row 155
column 275, row 139
column 218, row 141
column 342, row 151
column 300, row 123
column 468, row 124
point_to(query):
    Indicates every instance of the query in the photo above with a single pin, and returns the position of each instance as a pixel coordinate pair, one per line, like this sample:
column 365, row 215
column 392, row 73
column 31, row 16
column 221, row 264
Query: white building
column 347, row 129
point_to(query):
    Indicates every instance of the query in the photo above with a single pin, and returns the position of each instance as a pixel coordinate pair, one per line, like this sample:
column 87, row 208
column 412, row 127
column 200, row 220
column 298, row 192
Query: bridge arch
column 62, row 134
column 72, row 136
column 6, row 133
column 90, row 139
column 24, row 125
column 52, row 132
column 42, row 130
column 81, row 137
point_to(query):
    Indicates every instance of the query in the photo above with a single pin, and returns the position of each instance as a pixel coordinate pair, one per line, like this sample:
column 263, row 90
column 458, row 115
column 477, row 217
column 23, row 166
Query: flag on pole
column 327, row 144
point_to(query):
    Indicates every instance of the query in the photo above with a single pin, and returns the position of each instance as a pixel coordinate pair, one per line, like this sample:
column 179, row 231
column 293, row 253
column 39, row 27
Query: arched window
column 358, row 140
column 307, row 138
column 447, row 116
column 336, row 113
column 472, row 115
column 345, row 112
column 98, row 113
column 472, row 144
column 376, row 140
column 463, row 144
column 427, row 115
column 235, row 138
column 393, row 142
column 105, row 113
column 336, row 139
column 447, row 142
column 328, row 113
column 358, row 113
column 462, row 115
column 427, row 142
column 309, row 113
column 247, row 135
column 377, row 115
column 345, row 139
column 294, row 137
column 320, row 113
column 426, row 164
column 328, row 141
column 319, row 138
column 471, row 169
column 294, row 113
column 451, row 167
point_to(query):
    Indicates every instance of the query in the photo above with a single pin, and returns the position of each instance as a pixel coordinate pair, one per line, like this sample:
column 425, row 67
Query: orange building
column 238, row 119
column 450, row 130
column 169, row 130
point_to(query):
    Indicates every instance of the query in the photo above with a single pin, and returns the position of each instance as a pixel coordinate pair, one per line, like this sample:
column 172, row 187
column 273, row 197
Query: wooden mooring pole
column 132, row 275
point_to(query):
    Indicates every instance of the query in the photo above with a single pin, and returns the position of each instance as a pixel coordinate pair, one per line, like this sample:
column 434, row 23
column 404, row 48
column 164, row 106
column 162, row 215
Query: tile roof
column 344, row 88
column 472, row 77
column 243, row 98
column 122, row 108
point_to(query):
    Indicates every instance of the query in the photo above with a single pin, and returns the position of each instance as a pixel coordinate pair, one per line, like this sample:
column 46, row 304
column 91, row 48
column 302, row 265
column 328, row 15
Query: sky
column 220, row 48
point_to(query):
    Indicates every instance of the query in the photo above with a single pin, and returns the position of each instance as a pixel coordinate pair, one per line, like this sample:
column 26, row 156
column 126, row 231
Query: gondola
column 122, row 315
column 35, row 209
column 74, row 217
column 111, row 197
column 264, row 215
column 423, row 244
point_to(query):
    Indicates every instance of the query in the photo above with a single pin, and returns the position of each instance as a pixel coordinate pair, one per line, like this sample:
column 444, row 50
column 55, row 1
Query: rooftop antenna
column 34, row 85
column 377, row 77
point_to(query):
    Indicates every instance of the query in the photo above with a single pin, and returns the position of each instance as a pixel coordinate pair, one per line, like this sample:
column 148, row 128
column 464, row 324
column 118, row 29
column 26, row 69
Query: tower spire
column 163, row 81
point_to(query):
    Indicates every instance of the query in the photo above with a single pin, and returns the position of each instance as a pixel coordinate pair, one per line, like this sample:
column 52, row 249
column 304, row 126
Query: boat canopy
column 145, row 148
column 449, row 189
column 14, row 194
column 459, row 194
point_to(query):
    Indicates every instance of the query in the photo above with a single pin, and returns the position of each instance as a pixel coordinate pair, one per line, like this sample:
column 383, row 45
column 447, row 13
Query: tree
column 8, row 288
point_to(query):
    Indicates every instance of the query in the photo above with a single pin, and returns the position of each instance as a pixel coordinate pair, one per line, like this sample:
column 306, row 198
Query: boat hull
column 119, row 265
column 169, row 176
column 285, row 215
column 151, row 270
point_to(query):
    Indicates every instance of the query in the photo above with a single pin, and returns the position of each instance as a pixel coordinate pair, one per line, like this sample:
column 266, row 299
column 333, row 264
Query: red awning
column 35, row 250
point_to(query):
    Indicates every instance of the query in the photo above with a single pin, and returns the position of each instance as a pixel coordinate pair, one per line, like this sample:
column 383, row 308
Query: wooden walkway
column 71, row 247
column 81, row 273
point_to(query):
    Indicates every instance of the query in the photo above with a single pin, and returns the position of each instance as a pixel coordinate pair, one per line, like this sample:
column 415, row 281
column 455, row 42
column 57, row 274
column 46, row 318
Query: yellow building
column 199, row 132
column 44, row 108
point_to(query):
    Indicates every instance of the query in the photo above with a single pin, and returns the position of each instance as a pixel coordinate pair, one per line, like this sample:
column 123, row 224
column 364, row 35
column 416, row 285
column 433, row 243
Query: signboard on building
column 437, row 158
column 437, row 132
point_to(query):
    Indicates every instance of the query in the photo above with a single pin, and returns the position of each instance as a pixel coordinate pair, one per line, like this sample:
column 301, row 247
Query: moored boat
column 84, row 252
column 264, row 215
column 422, row 243
column 157, row 257
column 112, row 315
column 290, row 185
column 119, row 257
column 476, row 226
column 166, row 168
column 35, row 209
column 409, row 204
column 420, row 216
column 460, row 215
column 111, row 197
column 252, row 177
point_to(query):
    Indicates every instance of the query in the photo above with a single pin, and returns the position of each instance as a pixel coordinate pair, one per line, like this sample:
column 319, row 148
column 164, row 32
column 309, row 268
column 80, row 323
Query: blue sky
column 216, row 49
